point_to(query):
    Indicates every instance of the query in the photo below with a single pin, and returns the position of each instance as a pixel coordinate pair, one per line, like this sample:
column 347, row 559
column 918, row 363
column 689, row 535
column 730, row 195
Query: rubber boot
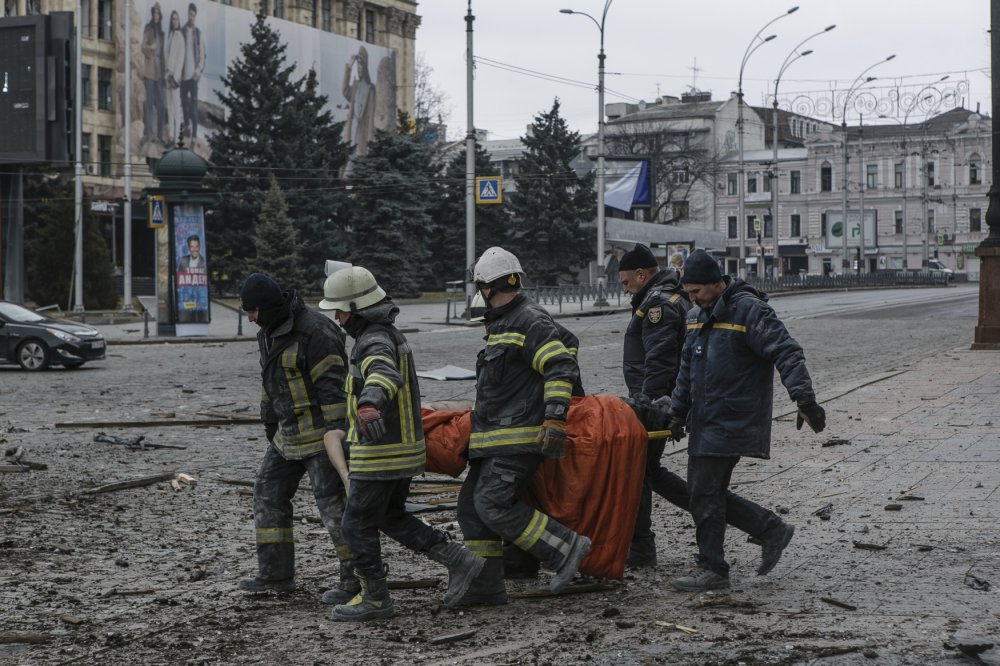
column 571, row 563
column 463, row 567
column 372, row 603
column 257, row 585
column 488, row 589
column 518, row 564
column 347, row 589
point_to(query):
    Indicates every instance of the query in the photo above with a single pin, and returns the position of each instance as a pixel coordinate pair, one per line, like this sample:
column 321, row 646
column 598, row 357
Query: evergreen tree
column 50, row 245
column 553, row 208
column 446, row 240
column 389, row 209
column 274, row 126
column 277, row 242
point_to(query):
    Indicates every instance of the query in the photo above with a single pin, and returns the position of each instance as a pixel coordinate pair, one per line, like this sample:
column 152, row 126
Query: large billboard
column 181, row 50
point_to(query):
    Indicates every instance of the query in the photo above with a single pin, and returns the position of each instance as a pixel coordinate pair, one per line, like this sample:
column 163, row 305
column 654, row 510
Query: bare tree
column 430, row 104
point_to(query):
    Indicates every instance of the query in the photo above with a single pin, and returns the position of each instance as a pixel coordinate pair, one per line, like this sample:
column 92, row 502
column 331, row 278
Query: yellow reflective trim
column 274, row 535
column 407, row 429
column 534, row 530
column 394, row 464
column 504, row 437
column 545, row 352
column 572, row 351
column 368, row 360
column 324, row 366
column 640, row 314
column 516, row 339
column 558, row 389
column 555, row 394
column 485, row 548
column 694, row 326
column 383, row 382
column 371, row 451
column 343, row 553
column 336, row 411
column 730, row 327
column 674, row 298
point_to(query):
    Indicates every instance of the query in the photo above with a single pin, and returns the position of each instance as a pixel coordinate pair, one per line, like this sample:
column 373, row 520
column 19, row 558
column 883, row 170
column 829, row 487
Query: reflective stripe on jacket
column 524, row 374
column 651, row 353
column 303, row 366
column 382, row 374
column 726, row 381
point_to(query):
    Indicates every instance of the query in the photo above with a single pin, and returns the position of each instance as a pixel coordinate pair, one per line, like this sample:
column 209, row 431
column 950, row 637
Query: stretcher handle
column 658, row 434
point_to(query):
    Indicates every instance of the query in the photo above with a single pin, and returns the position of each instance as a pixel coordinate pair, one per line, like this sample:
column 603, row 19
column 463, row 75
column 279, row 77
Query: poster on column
column 191, row 276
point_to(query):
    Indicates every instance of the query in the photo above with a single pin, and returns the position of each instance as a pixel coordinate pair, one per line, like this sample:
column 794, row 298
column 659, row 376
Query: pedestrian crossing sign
column 157, row 212
column 489, row 190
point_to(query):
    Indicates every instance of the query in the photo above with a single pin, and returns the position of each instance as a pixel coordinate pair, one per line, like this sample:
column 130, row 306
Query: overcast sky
column 653, row 45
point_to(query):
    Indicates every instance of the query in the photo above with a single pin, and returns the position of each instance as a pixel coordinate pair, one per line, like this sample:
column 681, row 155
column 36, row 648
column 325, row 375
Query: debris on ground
column 136, row 443
column 836, row 441
column 838, row 603
column 977, row 583
column 868, row 546
column 983, row 649
column 824, row 512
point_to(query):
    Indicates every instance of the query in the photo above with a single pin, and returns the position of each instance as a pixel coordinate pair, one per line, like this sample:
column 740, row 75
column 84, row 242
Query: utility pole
column 127, row 198
column 78, row 167
column 470, row 164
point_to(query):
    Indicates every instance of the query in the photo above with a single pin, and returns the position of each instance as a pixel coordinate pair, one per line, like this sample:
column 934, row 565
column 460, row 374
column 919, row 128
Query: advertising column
column 191, row 276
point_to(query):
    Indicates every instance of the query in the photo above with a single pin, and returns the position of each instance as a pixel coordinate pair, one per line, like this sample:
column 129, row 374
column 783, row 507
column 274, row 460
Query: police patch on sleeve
column 655, row 315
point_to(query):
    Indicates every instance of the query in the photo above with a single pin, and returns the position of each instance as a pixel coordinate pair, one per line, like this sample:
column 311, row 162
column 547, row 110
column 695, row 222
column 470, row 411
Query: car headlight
column 64, row 336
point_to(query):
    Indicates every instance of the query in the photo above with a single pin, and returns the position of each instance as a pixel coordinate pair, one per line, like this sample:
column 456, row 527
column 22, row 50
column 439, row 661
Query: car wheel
column 33, row 355
column 72, row 365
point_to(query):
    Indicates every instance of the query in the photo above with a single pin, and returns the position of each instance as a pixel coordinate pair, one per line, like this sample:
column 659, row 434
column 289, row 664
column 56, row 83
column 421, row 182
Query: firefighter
column 385, row 442
column 524, row 379
column 303, row 367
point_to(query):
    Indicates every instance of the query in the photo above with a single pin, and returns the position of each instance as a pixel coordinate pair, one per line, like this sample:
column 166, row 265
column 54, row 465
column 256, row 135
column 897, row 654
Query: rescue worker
column 303, row 367
column 385, row 446
column 524, row 379
column 650, row 358
column 724, row 394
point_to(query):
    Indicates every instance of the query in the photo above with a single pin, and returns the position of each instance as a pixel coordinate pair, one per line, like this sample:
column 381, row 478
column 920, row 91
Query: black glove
column 658, row 414
column 371, row 425
column 676, row 428
column 552, row 438
column 640, row 404
column 270, row 430
column 813, row 414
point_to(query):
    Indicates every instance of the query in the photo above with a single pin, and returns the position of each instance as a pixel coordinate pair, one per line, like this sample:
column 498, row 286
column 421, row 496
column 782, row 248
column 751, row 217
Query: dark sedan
column 35, row 342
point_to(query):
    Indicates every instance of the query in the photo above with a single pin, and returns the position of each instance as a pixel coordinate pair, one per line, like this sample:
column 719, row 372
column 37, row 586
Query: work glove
column 813, row 414
column 552, row 438
column 640, row 404
column 676, row 428
column 370, row 423
column 270, row 430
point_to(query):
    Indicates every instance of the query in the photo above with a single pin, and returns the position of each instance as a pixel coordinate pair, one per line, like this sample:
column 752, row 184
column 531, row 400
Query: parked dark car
column 35, row 342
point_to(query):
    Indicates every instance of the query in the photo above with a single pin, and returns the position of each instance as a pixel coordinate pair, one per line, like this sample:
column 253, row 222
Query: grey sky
column 653, row 44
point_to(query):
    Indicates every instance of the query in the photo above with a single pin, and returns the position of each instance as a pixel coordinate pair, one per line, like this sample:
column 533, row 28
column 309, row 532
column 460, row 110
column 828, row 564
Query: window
column 85, row 157
column 898, row 176
column 751, row 223
column 795, row 184
column 104, row 88
column 766, row 182
column 768, row 227
column 732, row 226
column 796, row 225
column 930, row 222
column 751, row 184
column 871, row 176
column 279, row 8
column 930, row 174
column 679, row 176
column 732, row 183
column 826, row 178
column 85, row 93
column 105, row 16
column 680, row 209
column 898, row 222
column 325, row 14
column 86, row 27
column 975, row 219
column 822, row 224
column 104, row 154
column 974, row 177
column 370, row 26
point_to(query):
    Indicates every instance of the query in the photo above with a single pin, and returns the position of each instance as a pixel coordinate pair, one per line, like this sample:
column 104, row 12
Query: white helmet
column 496, row 263
column 477, row 311
column 351, row 289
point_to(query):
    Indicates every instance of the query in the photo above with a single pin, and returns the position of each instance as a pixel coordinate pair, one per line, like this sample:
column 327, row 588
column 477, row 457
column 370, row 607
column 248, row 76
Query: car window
column 12, row 312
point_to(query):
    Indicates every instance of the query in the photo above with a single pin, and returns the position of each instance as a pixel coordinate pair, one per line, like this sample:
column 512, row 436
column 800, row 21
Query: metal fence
column 850, row 281
column 576, row 295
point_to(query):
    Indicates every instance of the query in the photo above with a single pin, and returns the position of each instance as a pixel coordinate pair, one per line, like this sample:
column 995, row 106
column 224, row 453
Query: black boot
column 488, row 589
column 519, row 564
column 257, row 585
column 642, row 553
column 773, row 546
column 463, row 567
column 578, row 549
column 372, row 603
column 347, row 589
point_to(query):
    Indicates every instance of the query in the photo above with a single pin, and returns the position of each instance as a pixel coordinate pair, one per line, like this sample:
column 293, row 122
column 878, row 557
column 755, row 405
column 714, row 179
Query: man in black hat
column 303, row 368
column 724, row 393
column 651, row 356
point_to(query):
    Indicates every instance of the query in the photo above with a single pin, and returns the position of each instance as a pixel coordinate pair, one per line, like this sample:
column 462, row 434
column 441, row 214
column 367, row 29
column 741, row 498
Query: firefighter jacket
column 572, row 344
column 524, row 375
column 303, row 366
column 382, row 374
column 725, row 385
column 655, row 336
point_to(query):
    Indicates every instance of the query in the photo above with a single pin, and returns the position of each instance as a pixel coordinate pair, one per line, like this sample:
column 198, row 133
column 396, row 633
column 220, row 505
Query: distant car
column 935, row 266
column 35, row 342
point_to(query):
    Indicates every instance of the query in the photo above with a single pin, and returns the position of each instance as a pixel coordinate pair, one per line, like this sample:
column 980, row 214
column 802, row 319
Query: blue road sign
column 489, row 190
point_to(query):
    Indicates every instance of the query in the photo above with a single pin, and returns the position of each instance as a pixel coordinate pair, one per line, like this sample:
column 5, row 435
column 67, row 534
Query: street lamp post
column 775, row 217
column 600, row 147
column 754, row 44
column 857, row 85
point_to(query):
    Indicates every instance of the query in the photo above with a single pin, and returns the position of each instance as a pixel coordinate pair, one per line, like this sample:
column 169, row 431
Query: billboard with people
column 182, row 49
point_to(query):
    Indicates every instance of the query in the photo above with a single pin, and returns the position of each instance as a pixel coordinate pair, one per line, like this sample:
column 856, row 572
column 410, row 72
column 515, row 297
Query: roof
column 672, row 111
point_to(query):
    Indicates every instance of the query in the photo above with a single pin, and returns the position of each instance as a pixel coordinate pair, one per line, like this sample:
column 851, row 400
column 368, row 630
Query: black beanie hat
column 638, row 257
column 699, row 268
column 261, row 292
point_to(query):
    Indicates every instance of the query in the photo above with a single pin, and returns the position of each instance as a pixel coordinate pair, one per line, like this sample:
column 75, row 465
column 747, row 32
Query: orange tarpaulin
column 594, row 490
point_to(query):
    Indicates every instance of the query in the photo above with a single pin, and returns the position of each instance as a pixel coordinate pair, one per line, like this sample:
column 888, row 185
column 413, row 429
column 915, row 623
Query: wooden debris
column 175, row 484
column 541, row 593
column 413, row 584
column 187, row 479
column 435, row 490
column 237, row 482
column 824, row 511
column 838, row 603
column 14, row 468
column 893, row 507
column 133, row 443
column 133, row 483
column 910, row 498
column 836, row 441
column 25, row 638
column 229, row 415
column 452, row 638
column 678, row 627
column 868, row 546
column 922, row 547
column 198, row 423
column 114, row 591
column 72, row 619
column 164, row 415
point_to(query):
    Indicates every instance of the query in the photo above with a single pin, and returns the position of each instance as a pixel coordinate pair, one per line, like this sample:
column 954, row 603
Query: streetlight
column 858, row 83
column 754, row 44
column 775, row 218
column 600, row 147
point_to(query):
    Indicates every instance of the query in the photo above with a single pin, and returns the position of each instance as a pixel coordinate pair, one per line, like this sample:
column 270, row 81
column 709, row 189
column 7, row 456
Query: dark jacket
column 523, row 376
column 726, row 381
column 382, row 374
column 572, row 344
column 655, row 336
column 303, row 366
